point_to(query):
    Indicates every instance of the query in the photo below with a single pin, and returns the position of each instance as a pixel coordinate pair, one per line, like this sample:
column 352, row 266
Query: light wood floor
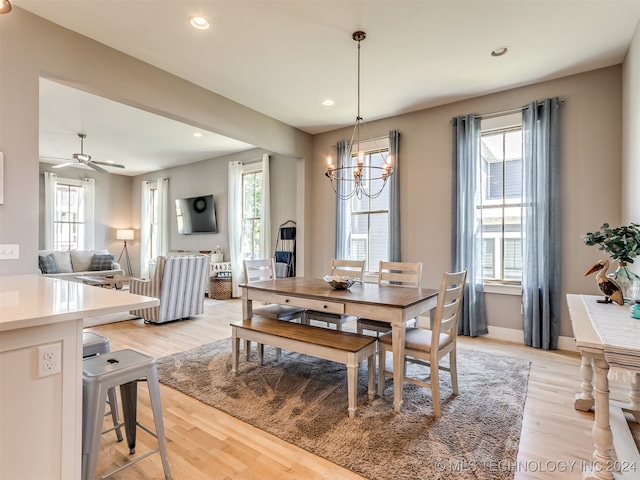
column 205, row 443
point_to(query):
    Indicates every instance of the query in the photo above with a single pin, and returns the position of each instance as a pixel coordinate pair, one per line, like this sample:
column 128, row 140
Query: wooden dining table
column 396, row 305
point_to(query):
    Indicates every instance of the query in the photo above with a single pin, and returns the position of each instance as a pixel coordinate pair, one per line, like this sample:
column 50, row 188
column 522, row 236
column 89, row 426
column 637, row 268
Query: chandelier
column 358, row 179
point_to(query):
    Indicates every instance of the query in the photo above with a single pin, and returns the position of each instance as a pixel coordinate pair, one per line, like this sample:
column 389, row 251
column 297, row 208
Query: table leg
column 371, row 371
column 235, row 351
column 602, row 436
column 398, row 337
column 352, row 384
column 247, row 312
column 585, row 401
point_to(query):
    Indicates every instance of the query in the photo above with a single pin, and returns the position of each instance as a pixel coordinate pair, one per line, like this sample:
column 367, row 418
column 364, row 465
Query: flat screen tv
column 196, row 215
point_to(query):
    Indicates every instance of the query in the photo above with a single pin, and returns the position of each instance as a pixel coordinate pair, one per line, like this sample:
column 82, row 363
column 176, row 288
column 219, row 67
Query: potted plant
column 623, row 245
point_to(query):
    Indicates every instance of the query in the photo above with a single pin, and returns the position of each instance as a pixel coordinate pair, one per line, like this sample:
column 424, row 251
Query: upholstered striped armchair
column 179, row 283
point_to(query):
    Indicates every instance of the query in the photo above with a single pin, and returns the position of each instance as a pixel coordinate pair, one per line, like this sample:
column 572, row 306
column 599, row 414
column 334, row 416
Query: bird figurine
column 609, row 287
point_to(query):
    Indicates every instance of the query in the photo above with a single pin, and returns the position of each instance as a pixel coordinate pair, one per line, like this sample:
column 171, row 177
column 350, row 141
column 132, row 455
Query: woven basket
column 220, row 288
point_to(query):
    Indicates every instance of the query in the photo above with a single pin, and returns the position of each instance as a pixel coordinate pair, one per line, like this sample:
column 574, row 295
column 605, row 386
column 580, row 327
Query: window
column 69, row 222
column 368, row 218
column 251, row 205
column 501, row 170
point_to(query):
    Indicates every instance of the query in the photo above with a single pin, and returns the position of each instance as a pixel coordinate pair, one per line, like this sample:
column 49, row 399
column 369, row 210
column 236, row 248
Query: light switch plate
column 9, row 252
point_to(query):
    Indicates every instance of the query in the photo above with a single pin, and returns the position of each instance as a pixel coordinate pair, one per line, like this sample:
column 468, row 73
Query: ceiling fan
column 85, row 159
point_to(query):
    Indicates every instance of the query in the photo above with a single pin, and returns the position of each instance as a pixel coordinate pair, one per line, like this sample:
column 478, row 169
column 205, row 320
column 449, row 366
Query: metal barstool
column 92, row 345
column 123, row 368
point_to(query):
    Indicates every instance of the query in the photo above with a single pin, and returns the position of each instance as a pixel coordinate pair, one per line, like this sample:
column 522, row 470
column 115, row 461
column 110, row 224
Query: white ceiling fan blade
column 96, row 167
column 64, row 165
column 54, row 158
column 117, row 165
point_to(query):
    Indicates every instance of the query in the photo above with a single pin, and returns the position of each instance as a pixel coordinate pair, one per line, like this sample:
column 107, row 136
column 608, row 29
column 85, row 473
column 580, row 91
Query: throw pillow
column 63, row 259
column 102, row 262
column 81, row 259
column 47, row 263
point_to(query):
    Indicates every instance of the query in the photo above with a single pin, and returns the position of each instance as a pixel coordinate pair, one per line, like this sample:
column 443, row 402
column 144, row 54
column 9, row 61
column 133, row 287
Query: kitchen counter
column 41, row 401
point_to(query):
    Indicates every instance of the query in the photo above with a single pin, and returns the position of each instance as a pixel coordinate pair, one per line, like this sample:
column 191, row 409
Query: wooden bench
column 337, row 346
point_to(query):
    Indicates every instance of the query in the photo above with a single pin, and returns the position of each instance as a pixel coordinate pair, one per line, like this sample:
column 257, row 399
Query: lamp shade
column 124, row 234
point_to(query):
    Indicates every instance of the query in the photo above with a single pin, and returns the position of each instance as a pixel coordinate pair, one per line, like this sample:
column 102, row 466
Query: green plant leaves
column 621, row 243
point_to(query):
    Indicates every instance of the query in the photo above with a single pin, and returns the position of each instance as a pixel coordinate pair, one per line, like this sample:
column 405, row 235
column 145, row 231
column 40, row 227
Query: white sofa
column 69, row 265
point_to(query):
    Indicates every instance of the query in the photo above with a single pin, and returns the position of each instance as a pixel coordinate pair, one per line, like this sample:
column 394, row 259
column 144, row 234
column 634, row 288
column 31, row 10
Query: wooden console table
column 607, row 336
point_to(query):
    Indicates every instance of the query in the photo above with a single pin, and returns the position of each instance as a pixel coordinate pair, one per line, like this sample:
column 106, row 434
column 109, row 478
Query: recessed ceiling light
column 200, row 23
column 327, row 102
column 197, row 134
column 498, row 52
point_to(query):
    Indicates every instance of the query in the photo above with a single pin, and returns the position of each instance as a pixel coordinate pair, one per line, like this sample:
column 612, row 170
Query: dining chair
column 428, row 347
column 348, row 268
column 397, row 274
column 265, row 269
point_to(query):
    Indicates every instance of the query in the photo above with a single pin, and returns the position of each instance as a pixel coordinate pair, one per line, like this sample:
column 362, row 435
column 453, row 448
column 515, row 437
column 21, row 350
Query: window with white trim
column 251, row 218
column 69, row 221
column 501, row 170
column 368, row 218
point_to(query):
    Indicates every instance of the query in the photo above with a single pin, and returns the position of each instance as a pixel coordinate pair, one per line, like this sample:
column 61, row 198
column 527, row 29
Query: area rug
column 303, row 400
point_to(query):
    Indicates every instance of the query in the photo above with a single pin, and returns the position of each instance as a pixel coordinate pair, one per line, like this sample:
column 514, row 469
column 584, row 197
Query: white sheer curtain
column 265, row 210
column 235, row 224
column 162, row 237
column 50, row 183
column 89, row 210
column 145, row 228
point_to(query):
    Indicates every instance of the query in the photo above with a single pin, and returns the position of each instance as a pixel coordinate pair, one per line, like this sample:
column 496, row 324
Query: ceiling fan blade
column 55, row 158
column 62, row 165
column 117, row 165
column 96, row 167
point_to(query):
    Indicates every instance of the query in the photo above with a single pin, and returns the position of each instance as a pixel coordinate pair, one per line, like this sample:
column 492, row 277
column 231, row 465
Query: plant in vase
column 623, row 245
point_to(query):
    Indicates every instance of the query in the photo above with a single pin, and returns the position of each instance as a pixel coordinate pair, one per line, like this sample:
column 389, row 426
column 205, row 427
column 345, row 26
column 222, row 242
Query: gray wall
column 600, row 124
column 591, row 181
column 112, row 206
column 31, row 47
column 210, row 177
column 630, row 134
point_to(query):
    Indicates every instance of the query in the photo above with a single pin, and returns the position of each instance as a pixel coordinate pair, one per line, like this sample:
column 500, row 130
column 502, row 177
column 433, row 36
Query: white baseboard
column 517, row 336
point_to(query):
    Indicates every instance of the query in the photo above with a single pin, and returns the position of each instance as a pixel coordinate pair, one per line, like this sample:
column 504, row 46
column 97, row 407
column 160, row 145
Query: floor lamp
column 125, row 235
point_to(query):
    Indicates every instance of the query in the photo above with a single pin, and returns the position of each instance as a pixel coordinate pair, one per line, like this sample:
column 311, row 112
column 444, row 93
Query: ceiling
column 283, row 58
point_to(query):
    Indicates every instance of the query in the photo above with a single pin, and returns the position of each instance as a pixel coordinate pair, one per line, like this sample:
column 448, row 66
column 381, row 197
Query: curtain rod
column 375, row 139
column 506, row 112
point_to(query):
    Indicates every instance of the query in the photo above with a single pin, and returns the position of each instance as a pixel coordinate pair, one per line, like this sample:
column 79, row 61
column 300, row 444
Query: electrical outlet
column 49, row 359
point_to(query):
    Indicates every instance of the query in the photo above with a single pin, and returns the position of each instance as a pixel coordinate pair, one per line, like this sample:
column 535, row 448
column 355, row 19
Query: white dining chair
column 428, row 347
column 265, row 269
column 397, row 274
column 348, row 268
